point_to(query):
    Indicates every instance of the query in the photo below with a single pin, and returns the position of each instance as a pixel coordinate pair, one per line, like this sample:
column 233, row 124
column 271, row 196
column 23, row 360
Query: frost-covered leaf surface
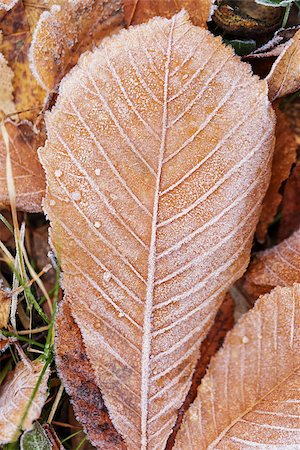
column 277, row 266
column 15, row 394
column 284, row 77
column 35, row 439
column 250, row 396
column 66, row 31
column 284, row 157
column 7, row 105
column 28, row 174
column 153, row 197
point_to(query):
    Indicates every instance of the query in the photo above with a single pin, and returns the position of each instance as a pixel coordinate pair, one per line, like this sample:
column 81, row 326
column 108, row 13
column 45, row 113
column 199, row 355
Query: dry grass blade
column 284, row 157
column 15, row 395
column 284, row 77
column 65, row 32
column 27, row 172
column 249, row 397
column 157, row 160
column 278, row 266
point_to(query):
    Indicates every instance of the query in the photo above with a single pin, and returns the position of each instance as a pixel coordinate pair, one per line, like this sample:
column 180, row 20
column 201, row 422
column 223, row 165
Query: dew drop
column 106, row 276
column 97, row 325
column 245, row 340
column 97, row 224
column 76, row 196
column 58, row 173
column 121, row 314
column 52, row 202
column 97, row 172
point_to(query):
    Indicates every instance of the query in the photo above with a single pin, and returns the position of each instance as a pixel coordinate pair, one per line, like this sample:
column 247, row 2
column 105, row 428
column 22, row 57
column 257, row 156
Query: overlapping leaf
column 157, row 160
column 250, row 396
column 284, row 157
column 67, row 31
column 290, row 211
column 284, row 77
column 16, row 413
column 278, row 266
column 28, row 175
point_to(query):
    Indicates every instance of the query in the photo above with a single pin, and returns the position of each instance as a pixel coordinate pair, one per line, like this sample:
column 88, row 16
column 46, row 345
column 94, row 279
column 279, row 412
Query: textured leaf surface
column 7, row 4
column 139, row 11
column 35, row 439
column 284, row 77
column 290, row 210
column 4, row 308
column 278, row 266
column 250, row 395
column 15, row 394
column 284, row 157
column 7, row 105
column 27, row 171
column 155, row 195
column 67, row 31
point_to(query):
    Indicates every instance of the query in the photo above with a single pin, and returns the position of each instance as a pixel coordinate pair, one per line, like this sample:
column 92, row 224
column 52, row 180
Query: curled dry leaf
column 27, row 171
column 249, row 397
column 63, row 33
column 140, row 11
column 80, row 384
column 15, row 394
column 290, row 210
column 284, row 157
column 157, row 163
column 277, row 266
column 16, row 34
column 4, row 308
column 284, row 77
column 7, row 105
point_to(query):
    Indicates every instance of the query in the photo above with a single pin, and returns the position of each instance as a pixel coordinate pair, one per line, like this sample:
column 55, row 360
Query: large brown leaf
column 67, row 31
column 284, row 157
column 278, row 266
column 157, row 160
column 28, row 175
column 250, row 396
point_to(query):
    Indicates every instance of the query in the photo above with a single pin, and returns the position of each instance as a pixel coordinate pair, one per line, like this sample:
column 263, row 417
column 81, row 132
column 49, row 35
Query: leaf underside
column 157, row 160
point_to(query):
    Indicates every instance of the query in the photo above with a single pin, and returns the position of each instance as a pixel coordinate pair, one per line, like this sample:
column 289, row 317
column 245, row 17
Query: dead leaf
column 7, row 105
column 157, row 163
column 277, row 266
column 249, row 397
column 78, row 377
column 5, row 342
column 284, row 157
column 28, row 174
column 290, row 210
column 65, row 32
column 7, row 4
column 140, row 11
column 292, row 111
column 284, row 77
column 4, row 308
column 15, row 394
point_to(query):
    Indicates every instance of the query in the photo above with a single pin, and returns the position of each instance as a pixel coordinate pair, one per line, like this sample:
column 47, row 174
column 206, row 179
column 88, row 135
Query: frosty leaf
column 284, row 157
column 155, row 195
column 249, row 397
column 65, row 32
column 7, row 105
column 4, row 308
column 15, row 394
column 27, row 171
column 140, row 11
column 77, row 372
column 284, row 77
column 7, row 4
column 16, row 34
column 277, row 266
column 290, row 210
column 35, row 439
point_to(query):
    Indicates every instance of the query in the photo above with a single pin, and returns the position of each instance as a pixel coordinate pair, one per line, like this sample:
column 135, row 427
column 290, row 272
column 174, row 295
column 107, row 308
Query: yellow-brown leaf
column 7, row 105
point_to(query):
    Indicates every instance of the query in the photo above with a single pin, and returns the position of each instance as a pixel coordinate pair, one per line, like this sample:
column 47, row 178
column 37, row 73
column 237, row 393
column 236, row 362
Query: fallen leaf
column 211, row 344
column 5, row 342
column 7, row 4
column 35, row 439
column 7, row 105
column 28, row 174
column 156, row 163
column 290, row 209
column 284, row 77
column 4, row 308
column 15, row 394
column 276, row 45
column 67, row 31
column 249, row 397
column 77, row 373
column 277, row 266
column 140, row 11
column 292, row 111
column 284, row 157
